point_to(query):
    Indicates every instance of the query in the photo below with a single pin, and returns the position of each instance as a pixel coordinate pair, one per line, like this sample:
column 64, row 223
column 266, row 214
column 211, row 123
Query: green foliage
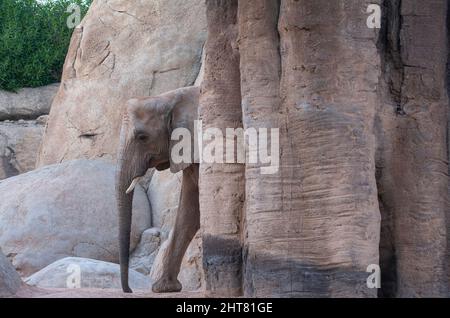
column 34, row 38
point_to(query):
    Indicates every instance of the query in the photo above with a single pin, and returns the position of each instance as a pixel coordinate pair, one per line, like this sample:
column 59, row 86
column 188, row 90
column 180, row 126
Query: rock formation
column 222, row 185
column 22, row 120
column 363, row 178
column 19, row 144
column 76, row 272
column 164, row 193
column 27, row 103
column 362, row 115
column 64, row 210
column 10, row 281
column 412, row 149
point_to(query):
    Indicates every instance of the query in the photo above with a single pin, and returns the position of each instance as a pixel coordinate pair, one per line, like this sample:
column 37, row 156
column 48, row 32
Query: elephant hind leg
column 187, row 223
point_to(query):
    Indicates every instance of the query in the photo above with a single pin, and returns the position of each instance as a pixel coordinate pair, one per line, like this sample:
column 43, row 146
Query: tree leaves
column 34, row 39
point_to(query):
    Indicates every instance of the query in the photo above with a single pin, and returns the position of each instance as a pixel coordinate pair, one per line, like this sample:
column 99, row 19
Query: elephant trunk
column 124, row 204
column 131, row 165
column 126, row 172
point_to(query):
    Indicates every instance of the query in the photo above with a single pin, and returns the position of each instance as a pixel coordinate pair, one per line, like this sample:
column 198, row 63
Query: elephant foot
column 166, row 285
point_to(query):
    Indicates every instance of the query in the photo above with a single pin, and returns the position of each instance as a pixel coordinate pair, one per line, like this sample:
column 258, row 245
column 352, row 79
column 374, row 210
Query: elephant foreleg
column 187, row 223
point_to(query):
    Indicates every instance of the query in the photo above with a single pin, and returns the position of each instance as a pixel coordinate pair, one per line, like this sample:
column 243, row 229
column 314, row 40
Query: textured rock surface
column 145, row 252
column 309, row 68
column 122, row 49
column 412, row 156
column 9, row 279
column 222, row 186
column 64, row 210
column 19, row 144
column 164, row 193
column 76, row 272
column 27, row 103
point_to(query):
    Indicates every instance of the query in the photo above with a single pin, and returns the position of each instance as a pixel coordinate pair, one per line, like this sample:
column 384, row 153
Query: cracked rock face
column 9, row 279
column 19, row 144
column 23, row 116
column 122, row 49
column 145, row 252
column 64, row 210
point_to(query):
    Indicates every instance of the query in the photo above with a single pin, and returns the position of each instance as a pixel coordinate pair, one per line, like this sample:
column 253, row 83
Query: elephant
column 145, row 142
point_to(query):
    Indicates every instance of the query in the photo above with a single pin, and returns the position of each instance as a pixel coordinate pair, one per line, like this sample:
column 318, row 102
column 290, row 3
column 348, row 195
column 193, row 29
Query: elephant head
column 145, row 142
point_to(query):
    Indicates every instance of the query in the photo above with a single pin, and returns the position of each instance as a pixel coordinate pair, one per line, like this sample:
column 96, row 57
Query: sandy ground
column 35, row 292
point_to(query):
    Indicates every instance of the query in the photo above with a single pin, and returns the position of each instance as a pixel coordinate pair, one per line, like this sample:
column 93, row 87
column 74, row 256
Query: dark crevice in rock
column 278, row 40
column 126, row 13
column 199, row 62
column 15, row 118
column 6, row 163
column 393, row 67
column 88, row 135
column 391, row 85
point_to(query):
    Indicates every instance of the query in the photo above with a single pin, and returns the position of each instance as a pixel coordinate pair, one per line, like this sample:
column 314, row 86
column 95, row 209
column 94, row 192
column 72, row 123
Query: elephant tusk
column 133, row 185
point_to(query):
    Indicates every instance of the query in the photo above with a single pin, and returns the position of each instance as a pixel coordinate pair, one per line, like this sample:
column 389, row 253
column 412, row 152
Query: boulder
column 27, row 103
column 164, row 193
column 19, row 145
column 76, row 272
column 122, row 49
column 9, row 279
column 145, row 252
column 63, row 210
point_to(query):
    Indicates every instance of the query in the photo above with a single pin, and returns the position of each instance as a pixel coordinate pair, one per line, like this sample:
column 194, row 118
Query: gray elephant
column 145, row 142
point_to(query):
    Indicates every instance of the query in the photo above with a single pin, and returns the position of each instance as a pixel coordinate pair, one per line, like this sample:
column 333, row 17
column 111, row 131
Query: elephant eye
column 142, row 137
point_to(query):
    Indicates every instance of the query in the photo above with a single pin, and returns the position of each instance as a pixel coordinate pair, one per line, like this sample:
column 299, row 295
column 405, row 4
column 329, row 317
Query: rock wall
column 22, row 121
column 363, row 175
column 412, row 154
column 363, row 121
column 19, row 145
column 9, row 278
column 222, row 185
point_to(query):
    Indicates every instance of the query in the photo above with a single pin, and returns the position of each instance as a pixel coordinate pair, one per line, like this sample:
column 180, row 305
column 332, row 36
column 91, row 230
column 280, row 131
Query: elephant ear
column 183, row 114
